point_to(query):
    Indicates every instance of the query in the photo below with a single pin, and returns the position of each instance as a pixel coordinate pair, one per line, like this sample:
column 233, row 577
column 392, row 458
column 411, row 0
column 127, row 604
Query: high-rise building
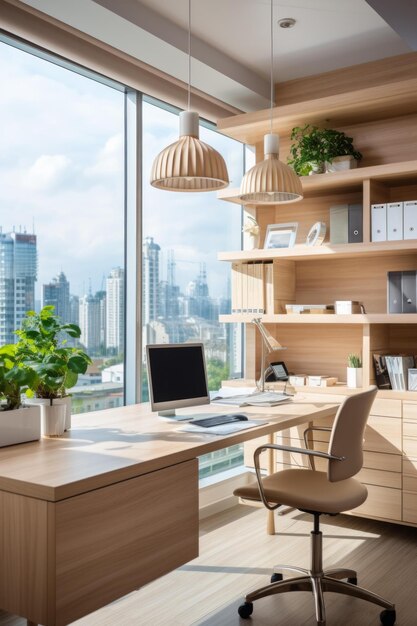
column 115, row 310
column 89, row 321
column 74, row 310
column 150, row 280
column 18, row 273
column 57, row 293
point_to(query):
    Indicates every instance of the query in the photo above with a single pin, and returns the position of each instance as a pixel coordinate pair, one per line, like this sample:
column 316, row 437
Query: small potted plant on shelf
column 18, row 423
column 354, row 371
column 251, row 228
column 42, row 347
column 316, row 150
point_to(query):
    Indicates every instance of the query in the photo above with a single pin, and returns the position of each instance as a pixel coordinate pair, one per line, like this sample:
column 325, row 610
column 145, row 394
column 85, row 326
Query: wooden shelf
column 358, row 106
column 362, row 319
column 336, row 251
column 349, row 180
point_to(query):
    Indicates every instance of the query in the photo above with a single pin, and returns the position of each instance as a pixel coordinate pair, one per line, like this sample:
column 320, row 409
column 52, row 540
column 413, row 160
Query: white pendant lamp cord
column 272, row 63
column 189, row 56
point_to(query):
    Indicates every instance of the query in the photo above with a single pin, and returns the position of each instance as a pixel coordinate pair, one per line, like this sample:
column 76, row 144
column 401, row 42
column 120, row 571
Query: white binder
column 395, row 221
column 410, row 219
column 379, row 222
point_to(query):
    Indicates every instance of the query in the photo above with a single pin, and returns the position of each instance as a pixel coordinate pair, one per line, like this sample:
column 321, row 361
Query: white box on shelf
column 347, row 307
column 412, row 379
column 410, row 219
column 379, row 222
column 395, row 227
column 321, row 381
column 297, row 380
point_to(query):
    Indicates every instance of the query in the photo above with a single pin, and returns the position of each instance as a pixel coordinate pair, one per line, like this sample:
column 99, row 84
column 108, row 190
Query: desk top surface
column 106, row 447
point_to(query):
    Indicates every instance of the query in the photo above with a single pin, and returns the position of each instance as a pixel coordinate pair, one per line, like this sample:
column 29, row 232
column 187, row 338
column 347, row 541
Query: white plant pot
column 53, row 419
column 341, row 163
column 20, row 425
column 252, row 242
column 354, row 377
column 42, row 402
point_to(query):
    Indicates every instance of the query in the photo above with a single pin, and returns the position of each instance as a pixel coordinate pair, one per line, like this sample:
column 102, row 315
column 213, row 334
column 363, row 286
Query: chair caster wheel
column 246, row 610
column 388, row 617
column 275, row 578
column 352, row 581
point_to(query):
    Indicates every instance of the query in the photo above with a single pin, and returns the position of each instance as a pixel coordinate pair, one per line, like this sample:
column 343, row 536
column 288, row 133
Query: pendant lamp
column 189, row 164
column 271, row 181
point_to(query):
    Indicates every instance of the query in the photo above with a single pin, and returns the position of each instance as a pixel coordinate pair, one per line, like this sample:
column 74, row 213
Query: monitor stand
column 176, row 418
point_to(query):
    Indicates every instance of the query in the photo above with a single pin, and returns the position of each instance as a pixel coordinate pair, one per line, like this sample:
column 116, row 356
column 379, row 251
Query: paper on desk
column 223, row 429
column 268, row 398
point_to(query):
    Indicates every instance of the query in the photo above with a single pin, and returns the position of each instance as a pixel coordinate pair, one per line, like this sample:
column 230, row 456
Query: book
column 381, row 372
column 398, row 367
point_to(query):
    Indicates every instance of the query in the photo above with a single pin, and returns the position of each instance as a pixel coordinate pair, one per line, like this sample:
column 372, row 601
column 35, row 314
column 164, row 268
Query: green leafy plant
column 313, row 146
column 354, row 360
column 15, row 378
column 42, row 348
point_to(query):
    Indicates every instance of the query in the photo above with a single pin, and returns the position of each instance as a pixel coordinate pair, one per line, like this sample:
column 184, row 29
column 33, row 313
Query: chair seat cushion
column 308, row 490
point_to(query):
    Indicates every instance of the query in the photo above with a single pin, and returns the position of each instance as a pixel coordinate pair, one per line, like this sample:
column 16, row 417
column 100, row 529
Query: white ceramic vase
column 44, row 404
column 53, row 419
column 20, row 425
column 354, row 377
column 252, row 242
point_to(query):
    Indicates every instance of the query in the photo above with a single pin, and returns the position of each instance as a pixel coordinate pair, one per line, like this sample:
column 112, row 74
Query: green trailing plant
column 354, row 360
column 42, row 348
column 15, row 378
column 313, row 146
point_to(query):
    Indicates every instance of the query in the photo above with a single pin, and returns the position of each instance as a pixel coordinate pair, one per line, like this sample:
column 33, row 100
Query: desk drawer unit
column 410, row 462
column 81, row 553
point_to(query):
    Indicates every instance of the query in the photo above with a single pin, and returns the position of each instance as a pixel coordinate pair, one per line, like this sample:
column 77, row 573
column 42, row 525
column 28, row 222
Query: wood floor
column 237, row 556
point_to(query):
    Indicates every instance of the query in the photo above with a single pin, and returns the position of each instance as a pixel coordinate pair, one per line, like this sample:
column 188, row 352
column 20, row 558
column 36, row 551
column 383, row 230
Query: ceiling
column 230, row 43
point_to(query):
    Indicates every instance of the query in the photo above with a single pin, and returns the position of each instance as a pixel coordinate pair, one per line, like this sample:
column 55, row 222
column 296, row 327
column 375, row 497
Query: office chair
column 319, row 493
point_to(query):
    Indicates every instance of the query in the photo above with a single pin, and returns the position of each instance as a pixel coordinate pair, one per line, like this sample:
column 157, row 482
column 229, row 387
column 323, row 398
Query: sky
column 61, row 173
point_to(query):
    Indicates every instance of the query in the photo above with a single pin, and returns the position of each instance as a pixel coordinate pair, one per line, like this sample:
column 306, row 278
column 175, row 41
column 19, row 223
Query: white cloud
column 48, row 172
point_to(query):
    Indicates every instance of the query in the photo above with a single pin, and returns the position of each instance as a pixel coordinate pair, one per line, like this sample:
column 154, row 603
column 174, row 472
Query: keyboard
column 219, row 420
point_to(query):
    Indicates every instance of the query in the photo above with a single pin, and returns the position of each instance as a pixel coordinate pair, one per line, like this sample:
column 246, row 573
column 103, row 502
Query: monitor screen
column 177, row 375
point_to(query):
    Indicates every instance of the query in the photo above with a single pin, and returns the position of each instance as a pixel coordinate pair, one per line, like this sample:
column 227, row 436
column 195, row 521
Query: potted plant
column 315, row 150
column 354, row 371
column 42, row 347
column 18, row 424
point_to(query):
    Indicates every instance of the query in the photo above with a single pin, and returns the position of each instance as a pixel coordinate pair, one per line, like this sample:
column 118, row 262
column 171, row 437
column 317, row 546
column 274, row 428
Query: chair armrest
column 306, row 442
column 273, row 446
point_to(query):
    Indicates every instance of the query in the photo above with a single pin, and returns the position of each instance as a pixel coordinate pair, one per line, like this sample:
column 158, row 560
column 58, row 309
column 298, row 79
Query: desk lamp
column 269, row 344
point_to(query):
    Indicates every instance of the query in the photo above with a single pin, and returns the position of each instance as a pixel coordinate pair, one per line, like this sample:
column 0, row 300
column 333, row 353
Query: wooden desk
column 110, row 506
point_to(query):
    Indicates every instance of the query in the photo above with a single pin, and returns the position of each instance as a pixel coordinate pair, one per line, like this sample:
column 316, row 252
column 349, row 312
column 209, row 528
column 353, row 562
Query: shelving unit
column 382, row 120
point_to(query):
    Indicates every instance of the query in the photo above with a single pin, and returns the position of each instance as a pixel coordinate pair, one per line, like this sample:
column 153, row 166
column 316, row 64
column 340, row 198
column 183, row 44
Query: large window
column 184, row 287
column 62, row 211
column 68, row 202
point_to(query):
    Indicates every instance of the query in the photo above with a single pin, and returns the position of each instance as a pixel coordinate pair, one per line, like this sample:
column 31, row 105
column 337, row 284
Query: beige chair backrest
column 347, row 435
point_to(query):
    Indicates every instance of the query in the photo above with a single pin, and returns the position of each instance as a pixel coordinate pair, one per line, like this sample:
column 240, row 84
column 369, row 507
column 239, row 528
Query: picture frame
column 281, row 235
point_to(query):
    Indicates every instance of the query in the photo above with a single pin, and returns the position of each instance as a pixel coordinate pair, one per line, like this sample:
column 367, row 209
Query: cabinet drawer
column 410, row 466
column 383, row 434
column 410, row 410
column 410, row 483
column 387, row 408
column 410, row 507
column 382, row 502
column 380, row 478
column 410, row 429
column 410, row 447
column 382, row 461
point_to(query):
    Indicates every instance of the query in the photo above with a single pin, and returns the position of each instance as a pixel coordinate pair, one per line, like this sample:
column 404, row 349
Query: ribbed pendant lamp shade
column 189, row 164
column 270, row 181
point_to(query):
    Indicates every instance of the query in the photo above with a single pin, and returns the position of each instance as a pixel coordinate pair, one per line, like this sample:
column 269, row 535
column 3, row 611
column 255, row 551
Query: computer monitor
column 177, row 376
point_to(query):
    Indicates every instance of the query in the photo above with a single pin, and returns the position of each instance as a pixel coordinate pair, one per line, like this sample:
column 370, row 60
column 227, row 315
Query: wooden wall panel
column 317, row 350
column 349, row 279
column 371, row 74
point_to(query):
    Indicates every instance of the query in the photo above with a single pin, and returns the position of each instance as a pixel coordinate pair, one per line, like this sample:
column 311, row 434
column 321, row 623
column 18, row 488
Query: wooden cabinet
column 410, row 462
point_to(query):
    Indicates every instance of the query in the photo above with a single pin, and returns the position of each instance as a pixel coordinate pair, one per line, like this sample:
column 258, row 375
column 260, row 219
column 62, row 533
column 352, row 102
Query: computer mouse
column 240, row 416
